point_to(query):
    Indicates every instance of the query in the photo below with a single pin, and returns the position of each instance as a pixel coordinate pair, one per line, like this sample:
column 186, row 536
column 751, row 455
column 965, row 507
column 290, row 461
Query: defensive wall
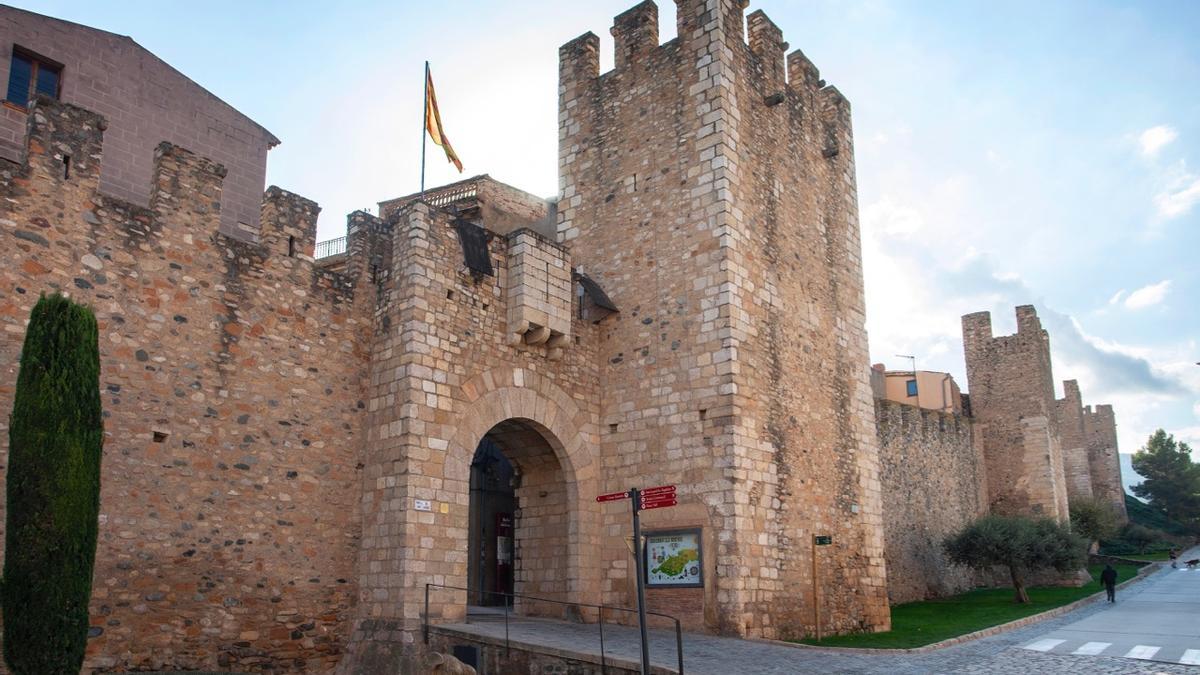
column 934, row 484
column 708, row 184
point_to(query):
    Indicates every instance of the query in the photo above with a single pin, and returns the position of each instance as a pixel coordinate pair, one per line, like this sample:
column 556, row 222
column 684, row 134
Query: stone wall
column 713, row 197
column 1076, row 465
column 1100, row 433
column 934, row 483
column 233, row 406
column 1012, row 399
column 144, row 101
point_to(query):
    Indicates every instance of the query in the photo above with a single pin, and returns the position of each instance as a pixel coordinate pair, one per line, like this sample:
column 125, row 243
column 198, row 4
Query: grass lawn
column 1157, row 555
column 916, row 624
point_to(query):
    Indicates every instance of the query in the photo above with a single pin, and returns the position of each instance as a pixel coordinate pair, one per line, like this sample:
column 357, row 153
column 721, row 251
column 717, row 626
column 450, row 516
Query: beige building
column 927, row 389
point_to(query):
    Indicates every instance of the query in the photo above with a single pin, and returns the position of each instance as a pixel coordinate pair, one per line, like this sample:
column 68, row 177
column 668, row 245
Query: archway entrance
column 519, row 517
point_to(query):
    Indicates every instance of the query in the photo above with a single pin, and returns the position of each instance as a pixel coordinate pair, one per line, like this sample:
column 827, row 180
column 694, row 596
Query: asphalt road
column 1156, row 620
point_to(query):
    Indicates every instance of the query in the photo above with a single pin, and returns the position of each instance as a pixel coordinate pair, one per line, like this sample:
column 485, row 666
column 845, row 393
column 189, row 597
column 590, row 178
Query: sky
column 1008, row 153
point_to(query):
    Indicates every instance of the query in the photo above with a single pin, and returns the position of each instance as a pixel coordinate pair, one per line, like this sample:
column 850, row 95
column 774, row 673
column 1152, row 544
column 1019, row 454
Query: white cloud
column 1180, row 197
column 1156, row 138
column 1147, row 296
column 1116, row 298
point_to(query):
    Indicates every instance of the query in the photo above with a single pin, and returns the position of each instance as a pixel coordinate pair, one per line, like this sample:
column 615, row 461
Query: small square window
column 912, row 387
column 30, row 75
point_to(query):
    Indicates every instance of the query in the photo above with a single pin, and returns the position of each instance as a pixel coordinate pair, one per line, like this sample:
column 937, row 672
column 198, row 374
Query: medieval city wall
column 455, row 356
column 1076, row 465
column 1100, row 433
column 685, row 174
column 934, row 483
column 1012, row 399
column 232, row 407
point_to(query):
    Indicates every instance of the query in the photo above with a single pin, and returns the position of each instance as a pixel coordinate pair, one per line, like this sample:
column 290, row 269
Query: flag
column 433, row 122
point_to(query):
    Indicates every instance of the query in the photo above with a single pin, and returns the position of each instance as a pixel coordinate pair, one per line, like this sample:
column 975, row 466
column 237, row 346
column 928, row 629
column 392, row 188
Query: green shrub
column 55, row 438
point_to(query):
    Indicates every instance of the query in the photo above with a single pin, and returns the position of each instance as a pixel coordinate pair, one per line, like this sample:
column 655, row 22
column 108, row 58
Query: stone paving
column 713, row 655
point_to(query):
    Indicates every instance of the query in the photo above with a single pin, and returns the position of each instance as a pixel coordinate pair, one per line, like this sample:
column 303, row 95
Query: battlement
column 699, row 25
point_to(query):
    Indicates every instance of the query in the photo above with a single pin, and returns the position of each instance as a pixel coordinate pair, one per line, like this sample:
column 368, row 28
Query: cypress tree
column 55, row 438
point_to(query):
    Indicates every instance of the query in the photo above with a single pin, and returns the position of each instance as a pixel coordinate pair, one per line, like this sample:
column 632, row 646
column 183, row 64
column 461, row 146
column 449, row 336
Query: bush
column 1022, row 545
column 55, row 437
column 1094, row 519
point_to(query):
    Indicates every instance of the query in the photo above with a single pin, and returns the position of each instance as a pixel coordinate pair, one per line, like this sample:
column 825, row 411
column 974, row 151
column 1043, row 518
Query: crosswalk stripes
column 1190, row 657
column 1142, row 652
column 1044, row 645
column 1092, row 648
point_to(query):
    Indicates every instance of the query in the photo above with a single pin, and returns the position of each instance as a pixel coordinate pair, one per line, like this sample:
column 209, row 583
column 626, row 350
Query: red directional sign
column 660, row 490
column 658, row 503
column 613, row 497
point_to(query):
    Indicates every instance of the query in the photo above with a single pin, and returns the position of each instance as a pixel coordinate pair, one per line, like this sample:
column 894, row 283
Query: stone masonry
column 709, row 188
column 1074, row 445
column 1012, row 398
column 934, row 484
column 1100, row 434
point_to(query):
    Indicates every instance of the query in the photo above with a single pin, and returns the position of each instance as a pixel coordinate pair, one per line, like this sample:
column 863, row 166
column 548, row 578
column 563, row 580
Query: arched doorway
column 519, row 517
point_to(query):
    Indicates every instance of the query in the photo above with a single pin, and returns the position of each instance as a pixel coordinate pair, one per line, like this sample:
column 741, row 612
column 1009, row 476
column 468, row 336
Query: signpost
column 818, row 540
column 649, row 498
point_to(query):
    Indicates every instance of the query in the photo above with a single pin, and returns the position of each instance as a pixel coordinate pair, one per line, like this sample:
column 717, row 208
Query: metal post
column 635, row 499
column 424, row 127
column 425, row 625
column 603, row 663
column 816, row 597
column 506, row 645
column 679, row 645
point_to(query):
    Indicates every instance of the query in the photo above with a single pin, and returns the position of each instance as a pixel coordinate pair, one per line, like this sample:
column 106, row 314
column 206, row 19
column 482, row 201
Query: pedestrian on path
column 1174, row 555
column 1109, row 578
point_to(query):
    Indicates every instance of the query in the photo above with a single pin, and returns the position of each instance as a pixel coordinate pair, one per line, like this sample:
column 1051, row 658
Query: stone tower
column 1100, row 433
column 1012, row 397
column 708, row 184
column 1074, row 444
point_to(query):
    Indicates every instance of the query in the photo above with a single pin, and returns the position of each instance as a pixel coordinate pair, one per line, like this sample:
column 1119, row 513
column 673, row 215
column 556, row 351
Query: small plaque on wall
column 674, row 559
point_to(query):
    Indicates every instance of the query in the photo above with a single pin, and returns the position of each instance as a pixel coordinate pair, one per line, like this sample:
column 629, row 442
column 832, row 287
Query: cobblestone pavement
column 712, row 655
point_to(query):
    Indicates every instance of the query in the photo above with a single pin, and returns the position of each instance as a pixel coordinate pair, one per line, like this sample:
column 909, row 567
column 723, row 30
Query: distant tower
column 1100, row 431
column 1012, row 397
column 1074, row 444
column 708, row 184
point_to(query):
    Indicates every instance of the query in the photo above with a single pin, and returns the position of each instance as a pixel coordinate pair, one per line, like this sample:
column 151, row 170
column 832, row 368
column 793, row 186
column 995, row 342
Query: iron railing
column 508, row 597
column 330, row 247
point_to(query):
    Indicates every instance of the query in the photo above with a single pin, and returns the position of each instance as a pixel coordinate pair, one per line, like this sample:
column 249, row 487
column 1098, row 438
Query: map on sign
column 673, row 559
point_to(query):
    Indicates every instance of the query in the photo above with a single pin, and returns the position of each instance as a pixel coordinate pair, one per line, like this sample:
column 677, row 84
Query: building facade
column 143, row 101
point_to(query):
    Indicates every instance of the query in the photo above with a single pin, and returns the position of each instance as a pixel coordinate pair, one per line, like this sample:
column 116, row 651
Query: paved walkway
column 1158, row 619
column 1002, row 654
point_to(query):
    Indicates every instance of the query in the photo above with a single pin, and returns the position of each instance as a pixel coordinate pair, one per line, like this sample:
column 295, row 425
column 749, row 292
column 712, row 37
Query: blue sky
column 1008, row 153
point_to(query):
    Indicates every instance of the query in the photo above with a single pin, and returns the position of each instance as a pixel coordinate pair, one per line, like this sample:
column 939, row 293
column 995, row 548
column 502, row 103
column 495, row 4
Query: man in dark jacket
column 1109, row 578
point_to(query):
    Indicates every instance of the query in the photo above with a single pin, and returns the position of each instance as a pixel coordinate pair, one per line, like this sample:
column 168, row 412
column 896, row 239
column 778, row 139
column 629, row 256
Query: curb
column 1145, row 571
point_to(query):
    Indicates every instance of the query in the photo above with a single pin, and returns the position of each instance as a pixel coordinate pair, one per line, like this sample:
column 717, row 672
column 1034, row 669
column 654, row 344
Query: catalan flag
column 433, row 121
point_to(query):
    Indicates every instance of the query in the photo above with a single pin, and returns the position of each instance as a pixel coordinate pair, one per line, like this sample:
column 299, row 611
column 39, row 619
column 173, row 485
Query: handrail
column 603, row 664
column 330, row 247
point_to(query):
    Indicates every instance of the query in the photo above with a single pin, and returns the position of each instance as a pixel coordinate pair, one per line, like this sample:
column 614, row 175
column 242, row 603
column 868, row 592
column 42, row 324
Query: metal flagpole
column 424, row 127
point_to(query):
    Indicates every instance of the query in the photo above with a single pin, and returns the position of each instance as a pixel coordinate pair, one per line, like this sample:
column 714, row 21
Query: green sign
column 822, row 540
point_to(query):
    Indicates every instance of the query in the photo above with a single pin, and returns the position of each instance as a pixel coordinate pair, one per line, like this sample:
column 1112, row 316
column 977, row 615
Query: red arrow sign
column 660, row 490
column 613, row 497
column 658, row 503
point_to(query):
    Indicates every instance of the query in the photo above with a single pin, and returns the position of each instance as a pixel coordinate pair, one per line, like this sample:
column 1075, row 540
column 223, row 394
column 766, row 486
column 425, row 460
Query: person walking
column 1109, row 578
column 1174, row 555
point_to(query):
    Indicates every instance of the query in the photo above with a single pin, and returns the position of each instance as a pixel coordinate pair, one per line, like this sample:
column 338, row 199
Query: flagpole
column 424, row 127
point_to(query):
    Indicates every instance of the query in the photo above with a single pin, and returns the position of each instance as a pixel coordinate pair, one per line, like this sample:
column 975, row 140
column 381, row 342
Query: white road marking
column 1092, row 648
column 1044, row 645
column 1190, row 657
column 1142, row 652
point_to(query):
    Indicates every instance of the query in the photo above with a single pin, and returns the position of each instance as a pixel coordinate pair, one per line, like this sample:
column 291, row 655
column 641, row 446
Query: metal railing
column 444, row 197
column 330, row 247
column 507, row 597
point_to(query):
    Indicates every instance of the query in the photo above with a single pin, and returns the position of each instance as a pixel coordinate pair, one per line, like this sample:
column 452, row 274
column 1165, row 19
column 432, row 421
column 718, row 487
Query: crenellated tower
column 1100, row 433
column 1074, row 446
column 708, row 185
column 1012, row 398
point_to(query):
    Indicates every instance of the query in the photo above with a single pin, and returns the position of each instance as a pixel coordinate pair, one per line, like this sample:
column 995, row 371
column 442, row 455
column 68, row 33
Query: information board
column 674, row 559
